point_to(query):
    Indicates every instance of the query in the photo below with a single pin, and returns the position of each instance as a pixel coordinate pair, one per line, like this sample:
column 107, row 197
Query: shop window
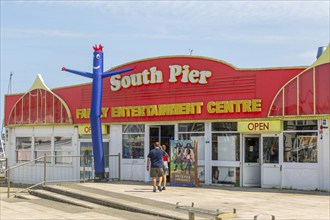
column 133, row 128
column 225, row 147
column 192, row 127
column 224, row 126
column 225, row 141
column 194, row 131
column 225, row 175
column 188, row 136
column 300, row 147
column 133, row 141
column 186, row 131
column 23, row 149
column 300, row 141
column 63, row 150
column 300, row 125
column 42, row 146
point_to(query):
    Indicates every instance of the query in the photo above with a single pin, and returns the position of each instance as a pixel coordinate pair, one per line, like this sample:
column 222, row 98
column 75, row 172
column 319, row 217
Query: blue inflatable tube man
column 96, row 104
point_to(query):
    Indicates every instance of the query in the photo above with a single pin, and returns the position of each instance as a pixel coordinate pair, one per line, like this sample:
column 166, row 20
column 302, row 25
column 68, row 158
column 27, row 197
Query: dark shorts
column 156, row 172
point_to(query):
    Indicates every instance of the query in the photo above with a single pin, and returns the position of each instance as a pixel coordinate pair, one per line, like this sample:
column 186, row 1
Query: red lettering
column 87, row 129
column 258, row 126
column 251, row 126
column 266, row 126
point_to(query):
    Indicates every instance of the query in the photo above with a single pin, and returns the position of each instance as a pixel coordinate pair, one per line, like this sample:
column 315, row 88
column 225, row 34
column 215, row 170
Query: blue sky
column 39, row 37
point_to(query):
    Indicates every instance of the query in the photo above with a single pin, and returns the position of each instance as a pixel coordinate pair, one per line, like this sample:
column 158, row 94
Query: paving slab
column 284, row 204
column 249, row 202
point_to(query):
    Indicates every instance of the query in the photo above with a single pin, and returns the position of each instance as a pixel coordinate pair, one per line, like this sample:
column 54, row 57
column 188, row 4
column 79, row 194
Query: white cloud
column 205, row 11
column 214, row 12
column 34, row 33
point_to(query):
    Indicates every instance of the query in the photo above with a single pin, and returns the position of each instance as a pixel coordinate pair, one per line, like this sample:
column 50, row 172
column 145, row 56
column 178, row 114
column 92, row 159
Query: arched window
column 40, row 106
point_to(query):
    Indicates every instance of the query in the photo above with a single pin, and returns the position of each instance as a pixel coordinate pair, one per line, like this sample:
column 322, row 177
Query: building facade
column 255, row 127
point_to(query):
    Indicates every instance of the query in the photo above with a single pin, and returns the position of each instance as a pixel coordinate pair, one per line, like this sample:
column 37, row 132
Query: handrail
column 50, row 176
column 22, row 164
column 30, row 187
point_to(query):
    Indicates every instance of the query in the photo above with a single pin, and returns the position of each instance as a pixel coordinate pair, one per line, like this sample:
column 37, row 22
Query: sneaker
column 159, row 188
column 163, row 188
column 154, row 190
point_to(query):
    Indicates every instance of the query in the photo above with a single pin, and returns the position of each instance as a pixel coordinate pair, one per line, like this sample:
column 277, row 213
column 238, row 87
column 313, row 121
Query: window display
column 133, row 141
column 300, row 141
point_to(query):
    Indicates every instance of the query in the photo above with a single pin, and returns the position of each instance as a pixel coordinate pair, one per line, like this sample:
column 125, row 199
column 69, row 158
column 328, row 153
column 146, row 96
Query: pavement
column 137, row 198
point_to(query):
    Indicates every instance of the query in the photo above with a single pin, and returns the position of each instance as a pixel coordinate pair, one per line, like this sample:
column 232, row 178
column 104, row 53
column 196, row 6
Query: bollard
column 224, row 215
column 256, row 216
column 191, row 214
column 217, row 215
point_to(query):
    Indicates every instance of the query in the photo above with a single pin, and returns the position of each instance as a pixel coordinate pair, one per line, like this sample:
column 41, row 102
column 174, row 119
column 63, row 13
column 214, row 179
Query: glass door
column 87, row 160
column 270, row 166
column 154, row 136
column 251, row 165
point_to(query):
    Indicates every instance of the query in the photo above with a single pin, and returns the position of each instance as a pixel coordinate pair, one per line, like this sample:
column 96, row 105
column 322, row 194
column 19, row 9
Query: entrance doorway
column 251, row 165
column 162, row 134
column 270, row 166
column 87, row 160
column 261, row 166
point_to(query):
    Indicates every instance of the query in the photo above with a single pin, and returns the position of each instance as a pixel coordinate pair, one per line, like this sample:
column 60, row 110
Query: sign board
column 86, row 129
column 259, row 126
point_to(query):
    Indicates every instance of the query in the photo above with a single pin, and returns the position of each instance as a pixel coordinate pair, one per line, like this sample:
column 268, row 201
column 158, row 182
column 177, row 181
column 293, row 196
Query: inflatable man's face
column 98, row 58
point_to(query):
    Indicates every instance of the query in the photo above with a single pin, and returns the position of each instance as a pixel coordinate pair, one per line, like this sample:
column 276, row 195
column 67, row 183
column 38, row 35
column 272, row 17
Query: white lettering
column 175, row 70
column 193, row 76
column 153, row 76
column 115, row 82
column 126, row 82
column 156, row 75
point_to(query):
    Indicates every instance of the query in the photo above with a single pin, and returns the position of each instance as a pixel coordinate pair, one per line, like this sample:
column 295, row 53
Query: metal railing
column 57, row 169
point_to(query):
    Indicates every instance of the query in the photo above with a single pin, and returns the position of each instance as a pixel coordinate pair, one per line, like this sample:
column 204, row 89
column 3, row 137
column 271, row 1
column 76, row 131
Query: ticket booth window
column 42, row 146
column 23, row 149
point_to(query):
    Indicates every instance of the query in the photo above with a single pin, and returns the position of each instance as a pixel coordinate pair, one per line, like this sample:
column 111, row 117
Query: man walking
column 155, row 157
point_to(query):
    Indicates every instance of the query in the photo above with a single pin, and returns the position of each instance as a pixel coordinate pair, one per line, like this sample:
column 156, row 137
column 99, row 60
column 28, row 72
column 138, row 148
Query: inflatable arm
column 96, row 105
column 115, row 72
column 86, row 74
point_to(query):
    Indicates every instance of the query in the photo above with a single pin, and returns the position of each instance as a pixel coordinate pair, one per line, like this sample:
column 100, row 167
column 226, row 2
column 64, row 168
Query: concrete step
column 127, row 204
column 26, row 196
column 45, row 194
